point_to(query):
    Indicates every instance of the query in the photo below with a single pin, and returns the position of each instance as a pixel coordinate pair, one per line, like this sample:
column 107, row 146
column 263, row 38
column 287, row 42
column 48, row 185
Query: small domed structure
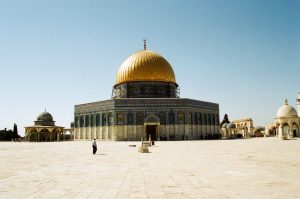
column 228, row 129
column 45, row 119
column 286, row 111
column 287, row 122
column 44, row 130
column 45, row 116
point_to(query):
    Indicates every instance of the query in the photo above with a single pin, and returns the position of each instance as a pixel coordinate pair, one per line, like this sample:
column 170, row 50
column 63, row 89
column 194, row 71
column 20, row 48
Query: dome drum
column 146, row 90
column 44, row 119
column 44, row 123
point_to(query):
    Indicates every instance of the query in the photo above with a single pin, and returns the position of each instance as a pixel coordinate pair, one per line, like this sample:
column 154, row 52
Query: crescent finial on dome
column 286, row 102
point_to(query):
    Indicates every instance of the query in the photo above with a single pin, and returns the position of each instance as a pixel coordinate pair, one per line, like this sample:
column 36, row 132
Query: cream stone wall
column 244, row 127
column 286, row 127
column 135, row 132
column 287, row 122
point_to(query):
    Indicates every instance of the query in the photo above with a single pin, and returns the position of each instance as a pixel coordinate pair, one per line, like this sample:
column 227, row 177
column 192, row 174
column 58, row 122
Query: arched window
column 191, row 118
column 295, row 130
column 92, row 120
column 81, row 121
column 195, row 118
column 200, row 118
column 87, row 121
column 110, row 119
column 98, row 119
column 129, row 118
column 76, row 122
column 162, row 117
column 285, row 130
column 204, row 119
column 104, row 119
column 209, row 119
column 120, row 118
column 171, row 117
column 140, row 118
column 180, row 117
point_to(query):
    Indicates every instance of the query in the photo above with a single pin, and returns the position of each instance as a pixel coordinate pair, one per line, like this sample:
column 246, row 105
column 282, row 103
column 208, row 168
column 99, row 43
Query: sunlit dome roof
column 286, row 111
column 45, row 116
column 44, row 119
column 145, row 65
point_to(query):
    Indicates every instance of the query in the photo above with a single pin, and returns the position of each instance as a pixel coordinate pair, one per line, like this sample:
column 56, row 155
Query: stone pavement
column 246, row 168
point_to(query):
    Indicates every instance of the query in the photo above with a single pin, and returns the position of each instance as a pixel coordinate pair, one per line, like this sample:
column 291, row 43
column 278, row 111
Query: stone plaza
column 243, row 168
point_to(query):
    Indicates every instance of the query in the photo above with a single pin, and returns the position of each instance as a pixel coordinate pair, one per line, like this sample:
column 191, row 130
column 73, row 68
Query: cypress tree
column 15, row 131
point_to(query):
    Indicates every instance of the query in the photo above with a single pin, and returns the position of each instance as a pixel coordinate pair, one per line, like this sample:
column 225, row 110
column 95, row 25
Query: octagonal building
column 145, row 103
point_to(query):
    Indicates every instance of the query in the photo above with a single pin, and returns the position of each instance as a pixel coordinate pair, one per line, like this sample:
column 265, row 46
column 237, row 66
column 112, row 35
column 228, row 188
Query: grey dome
column 45, row 116
column 45, row 119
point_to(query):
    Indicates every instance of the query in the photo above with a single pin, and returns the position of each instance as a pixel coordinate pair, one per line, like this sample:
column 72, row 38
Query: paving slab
column 243, row 168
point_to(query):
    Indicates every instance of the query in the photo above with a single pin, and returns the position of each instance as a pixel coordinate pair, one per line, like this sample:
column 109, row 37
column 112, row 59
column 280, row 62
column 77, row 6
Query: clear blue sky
column 244, row 55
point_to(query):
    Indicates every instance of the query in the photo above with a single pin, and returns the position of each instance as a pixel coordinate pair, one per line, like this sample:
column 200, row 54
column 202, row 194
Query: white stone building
column 287, row 122
column 241, row 128
column 244, row 127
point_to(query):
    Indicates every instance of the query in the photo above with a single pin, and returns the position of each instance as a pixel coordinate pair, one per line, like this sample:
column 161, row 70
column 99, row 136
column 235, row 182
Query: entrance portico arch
column 151, row 126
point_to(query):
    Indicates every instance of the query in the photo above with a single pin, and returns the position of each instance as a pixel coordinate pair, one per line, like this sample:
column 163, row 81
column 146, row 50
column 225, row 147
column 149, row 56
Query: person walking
column 94, row 145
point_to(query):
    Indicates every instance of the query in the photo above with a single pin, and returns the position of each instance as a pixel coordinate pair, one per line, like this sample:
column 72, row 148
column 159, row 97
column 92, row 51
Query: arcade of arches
column 287, row 123
column 45, row 130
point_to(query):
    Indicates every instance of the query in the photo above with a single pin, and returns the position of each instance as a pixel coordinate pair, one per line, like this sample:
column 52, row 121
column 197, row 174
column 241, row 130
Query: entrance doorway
column 151, row 131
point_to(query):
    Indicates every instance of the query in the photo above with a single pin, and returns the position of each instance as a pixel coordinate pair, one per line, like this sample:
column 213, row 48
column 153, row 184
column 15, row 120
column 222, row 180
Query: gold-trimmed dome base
column 146, row 89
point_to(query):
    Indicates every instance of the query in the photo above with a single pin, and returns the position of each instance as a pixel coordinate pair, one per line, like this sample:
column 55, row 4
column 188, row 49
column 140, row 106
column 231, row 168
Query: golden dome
column 145, row 65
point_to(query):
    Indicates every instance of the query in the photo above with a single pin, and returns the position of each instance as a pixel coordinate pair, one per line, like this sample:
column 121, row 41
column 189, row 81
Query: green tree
column 225, row 120
column 15, row 131
column 6, row 135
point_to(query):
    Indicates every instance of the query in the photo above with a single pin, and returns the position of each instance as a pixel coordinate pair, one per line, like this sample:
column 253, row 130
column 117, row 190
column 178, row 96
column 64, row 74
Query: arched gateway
column 151, row 124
